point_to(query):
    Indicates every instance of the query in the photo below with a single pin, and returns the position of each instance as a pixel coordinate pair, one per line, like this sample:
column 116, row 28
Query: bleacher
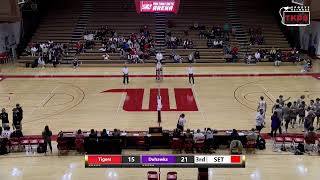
column 121, row 17
column 258, row 14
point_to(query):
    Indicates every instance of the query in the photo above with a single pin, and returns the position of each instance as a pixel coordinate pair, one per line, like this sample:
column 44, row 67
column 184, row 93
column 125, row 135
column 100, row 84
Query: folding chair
column 176, row 144
column 288, row 141
column 33, row 144
column 251, row 146
column 296, row 141
column 277, row 141
column 199, row 145
column 14, row 145
column 172, row 176
column 188, row 145
column 152, row 175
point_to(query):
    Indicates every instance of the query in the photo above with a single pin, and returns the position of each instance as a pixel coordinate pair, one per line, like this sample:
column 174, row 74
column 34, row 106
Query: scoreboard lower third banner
column 164, row 161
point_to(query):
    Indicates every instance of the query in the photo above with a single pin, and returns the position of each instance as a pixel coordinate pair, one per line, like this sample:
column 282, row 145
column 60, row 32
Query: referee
column 190, row 73
column 158, row 70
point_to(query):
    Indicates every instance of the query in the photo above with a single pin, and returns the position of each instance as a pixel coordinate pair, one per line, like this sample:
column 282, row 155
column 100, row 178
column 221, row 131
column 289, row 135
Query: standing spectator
column 46, row 135
column 260, row 120
column 20, row 114
column 15, row 119
column 190, row 74
column 275, row 124
column 309, row 119
column 317, row 112
column 5, row 118
column 125, row 72
column 181, row 122
column 278, row 110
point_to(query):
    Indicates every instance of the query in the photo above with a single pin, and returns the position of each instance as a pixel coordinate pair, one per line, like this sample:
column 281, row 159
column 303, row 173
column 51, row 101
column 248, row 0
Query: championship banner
column 156, row 6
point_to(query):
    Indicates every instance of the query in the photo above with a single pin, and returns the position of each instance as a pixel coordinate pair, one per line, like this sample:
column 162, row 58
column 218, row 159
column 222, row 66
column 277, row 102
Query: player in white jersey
column 262, row 105
column 158, row 70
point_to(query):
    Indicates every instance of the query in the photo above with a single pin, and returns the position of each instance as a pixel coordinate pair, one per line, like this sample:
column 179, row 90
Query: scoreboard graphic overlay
column 164, row 161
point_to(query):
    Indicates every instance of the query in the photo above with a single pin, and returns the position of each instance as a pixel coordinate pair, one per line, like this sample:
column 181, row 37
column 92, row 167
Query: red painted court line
column 315, row 75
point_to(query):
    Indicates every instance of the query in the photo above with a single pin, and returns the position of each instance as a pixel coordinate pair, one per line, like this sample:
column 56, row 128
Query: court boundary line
column 315, row 75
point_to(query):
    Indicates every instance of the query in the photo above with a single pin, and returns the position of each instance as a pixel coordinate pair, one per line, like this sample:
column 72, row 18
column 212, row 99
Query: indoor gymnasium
column 159, row 89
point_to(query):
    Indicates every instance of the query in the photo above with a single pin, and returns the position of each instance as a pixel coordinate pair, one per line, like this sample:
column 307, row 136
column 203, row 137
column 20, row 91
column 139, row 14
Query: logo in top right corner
column 295, row 15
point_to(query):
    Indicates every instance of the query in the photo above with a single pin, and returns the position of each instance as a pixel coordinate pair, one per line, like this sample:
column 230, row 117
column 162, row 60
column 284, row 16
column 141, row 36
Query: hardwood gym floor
column 224, row 97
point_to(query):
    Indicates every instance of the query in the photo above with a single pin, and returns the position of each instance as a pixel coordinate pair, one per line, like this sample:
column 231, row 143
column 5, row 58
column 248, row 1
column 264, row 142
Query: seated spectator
column 209, row 43
column 93, row 134
column 257, row 56
column 198, row 136
column 116, row 133
column 196, row 54
column 236, row 147
column 177, row 58
column 41, row 62
column 215, row 43
column 191, row 57
column 34, row 51
column 252, row 135
column 176, row 133
column 106, row 56
column 17, row 133
column 209, row 139
column 6, row 132
column 188, row 134
column 234, row 135
column 104, row 133
column 79, row 134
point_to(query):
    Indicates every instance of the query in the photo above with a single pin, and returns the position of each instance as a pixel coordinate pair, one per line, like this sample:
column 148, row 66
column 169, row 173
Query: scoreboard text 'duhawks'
column 164, row 161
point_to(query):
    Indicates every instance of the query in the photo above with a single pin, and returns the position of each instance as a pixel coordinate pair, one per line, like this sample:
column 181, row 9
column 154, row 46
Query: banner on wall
column 157, row 6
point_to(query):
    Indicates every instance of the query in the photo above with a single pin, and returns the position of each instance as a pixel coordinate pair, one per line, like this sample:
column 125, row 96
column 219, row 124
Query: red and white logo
column 184, row 99
column 157, row 6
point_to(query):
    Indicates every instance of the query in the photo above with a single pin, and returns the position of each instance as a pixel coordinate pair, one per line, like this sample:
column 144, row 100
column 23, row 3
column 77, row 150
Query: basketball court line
column 204, row 117
column 315, row 75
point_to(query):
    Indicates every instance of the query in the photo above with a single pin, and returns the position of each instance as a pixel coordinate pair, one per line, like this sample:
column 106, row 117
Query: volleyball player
column 301, row 112
column 158, row 70
column 293, row 112
column 262, row 105
column 190, row 74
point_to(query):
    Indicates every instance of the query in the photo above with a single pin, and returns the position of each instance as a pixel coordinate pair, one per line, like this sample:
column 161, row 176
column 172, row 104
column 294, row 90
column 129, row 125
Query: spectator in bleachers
column 177, row 58
column 191, row 57
column 196, row 54
column 34, row 51
column 257, row 56
column 106, row 56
